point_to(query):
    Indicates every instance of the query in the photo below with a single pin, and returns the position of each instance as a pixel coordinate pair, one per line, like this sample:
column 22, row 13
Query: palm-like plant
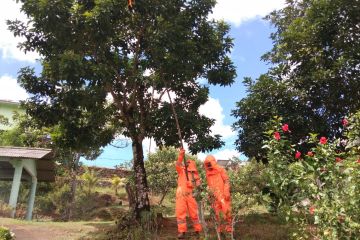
column 117, row 182
column 90, row 179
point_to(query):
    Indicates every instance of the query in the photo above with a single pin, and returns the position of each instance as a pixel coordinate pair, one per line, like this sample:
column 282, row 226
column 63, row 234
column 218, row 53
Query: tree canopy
column 314, row 79
column 107, row 68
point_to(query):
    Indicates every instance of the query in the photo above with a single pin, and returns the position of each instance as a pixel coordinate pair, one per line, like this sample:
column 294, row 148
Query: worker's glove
column 182, row 151
column 189, row 184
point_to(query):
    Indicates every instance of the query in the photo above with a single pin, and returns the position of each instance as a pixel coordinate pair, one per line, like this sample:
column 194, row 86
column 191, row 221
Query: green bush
column 318, row 188
column 5, row 234
column 161, row 174
column 45, row 204
column 61, row 197
column 247, row 183
column 85, row 204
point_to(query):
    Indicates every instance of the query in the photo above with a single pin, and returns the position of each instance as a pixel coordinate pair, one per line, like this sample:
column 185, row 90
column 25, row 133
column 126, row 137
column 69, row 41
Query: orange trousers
column 223, row 215
column 186, row 204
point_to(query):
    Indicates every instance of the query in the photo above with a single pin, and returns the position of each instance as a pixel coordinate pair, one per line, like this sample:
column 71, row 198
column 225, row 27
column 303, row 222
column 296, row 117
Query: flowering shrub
column 318, row 191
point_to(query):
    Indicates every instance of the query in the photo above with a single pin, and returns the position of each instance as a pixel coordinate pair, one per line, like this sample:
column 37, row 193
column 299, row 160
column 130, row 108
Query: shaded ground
column 25, row 230
column 252, row 227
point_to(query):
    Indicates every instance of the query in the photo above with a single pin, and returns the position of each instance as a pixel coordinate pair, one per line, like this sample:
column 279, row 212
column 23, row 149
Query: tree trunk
column 163, row 196
column 73, row 184
column 141, row 188
column 130, row 195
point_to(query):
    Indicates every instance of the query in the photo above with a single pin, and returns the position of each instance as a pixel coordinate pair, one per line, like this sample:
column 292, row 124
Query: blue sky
column 251, row 41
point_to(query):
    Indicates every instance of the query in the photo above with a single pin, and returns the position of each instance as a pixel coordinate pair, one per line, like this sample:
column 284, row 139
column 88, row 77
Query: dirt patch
column 47, row 230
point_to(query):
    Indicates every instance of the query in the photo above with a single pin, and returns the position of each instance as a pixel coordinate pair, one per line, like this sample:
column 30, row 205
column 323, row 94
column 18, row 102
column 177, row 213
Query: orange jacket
column 217, row 179
column 183, row 186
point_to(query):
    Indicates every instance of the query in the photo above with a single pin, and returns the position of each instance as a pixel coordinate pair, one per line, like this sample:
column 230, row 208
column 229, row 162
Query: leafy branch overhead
column 106, row 70
column 314, row 79
column 96, row 49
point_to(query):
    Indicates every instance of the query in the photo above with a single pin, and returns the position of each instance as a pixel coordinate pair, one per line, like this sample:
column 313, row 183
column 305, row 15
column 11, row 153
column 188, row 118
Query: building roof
column 45, row 167
column 23, row 152
column 223, row 163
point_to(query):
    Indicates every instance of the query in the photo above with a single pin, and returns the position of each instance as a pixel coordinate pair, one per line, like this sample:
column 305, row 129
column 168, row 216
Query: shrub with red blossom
column 320, row 188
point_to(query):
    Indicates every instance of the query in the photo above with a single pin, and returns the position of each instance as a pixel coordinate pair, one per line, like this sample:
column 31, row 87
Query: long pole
column 178, row 132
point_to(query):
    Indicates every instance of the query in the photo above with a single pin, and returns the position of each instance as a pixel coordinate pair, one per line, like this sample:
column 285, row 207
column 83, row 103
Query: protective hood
column 210, row 163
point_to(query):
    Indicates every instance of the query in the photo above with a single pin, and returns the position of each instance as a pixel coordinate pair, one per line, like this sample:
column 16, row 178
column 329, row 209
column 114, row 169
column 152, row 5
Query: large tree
column 94, row 50
column 314, row 80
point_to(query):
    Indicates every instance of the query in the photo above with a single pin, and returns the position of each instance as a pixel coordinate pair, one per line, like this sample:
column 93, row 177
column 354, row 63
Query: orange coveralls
column 185, row 202
column 218, row 182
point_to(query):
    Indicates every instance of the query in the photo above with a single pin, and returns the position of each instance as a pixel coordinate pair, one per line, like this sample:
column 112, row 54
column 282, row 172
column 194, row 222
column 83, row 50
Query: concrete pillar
column 31, row 199
column 18, row 165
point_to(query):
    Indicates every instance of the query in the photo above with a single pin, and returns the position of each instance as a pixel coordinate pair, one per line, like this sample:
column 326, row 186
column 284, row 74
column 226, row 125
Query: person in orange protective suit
column 218, row 183
column 185, row 202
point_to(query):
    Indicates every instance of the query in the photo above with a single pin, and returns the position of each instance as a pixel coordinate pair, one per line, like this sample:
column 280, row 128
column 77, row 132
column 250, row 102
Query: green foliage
column 319, row 188
column 25, row 134
column 5, row 234
column 247, row 183
column 61, row 199
column 4, row 120
column 5, row 209
column 117, row 182
column 314, row 80
column 85, row 204
column 353, row 133
column 128, row 228
column 90, row 179
column 100, row 48
column 161, row 173
column 174, row 41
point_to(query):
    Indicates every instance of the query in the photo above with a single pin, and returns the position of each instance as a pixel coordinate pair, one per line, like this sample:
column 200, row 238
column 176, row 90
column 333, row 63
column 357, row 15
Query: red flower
column 312, row 210
column 338, row 160
column 310, row 153
column 358, row 161
column 344, row 122
column 277, row 135
column 297, row 154
column 323, row 140
column 285, row 128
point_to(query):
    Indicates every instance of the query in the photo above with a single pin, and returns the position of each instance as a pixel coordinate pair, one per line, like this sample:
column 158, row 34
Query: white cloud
column 149, row 144
column 212, row 109
column 10, row 10
column 10, row 89
column 224, row 154
column 238, row 11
